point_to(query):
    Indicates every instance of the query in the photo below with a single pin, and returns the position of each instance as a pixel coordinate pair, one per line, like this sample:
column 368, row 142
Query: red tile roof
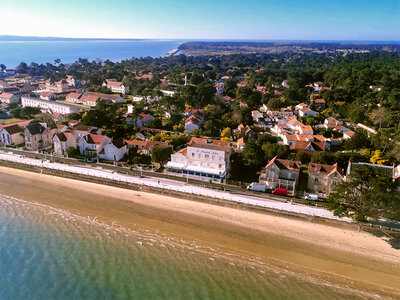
column 327, row 169
column 94, row 138
column 285, row 164
column 6, row 95
column 74, row 95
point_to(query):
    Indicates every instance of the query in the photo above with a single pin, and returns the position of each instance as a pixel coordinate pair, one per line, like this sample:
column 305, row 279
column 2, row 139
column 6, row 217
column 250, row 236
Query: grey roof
column 35, row 128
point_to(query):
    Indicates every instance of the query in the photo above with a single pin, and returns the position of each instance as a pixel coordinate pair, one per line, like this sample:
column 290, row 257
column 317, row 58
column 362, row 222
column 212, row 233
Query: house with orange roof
column 9, row 98
column 256, row 115
column 60, row 86
column 47, row 96
column 304, row 129
column 281, row 173
column 348, row 134
column 323, row 178
column 59, row 116
column 242, row 130
column 240, row 144
column 331, row 123
column 140, row 121
column 73, row 97
column 261, row 88
column 308, row 146
column 320, row 103
column 95, row 146
column 194, row 122
column 197, row 140
column 145, row 76
column 116, row 86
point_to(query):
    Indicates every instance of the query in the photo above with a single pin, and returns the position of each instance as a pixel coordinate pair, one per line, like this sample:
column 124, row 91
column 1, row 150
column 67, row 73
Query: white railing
column 170, row 186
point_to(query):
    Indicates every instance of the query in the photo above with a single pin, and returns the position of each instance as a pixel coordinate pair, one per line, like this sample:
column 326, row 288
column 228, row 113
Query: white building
column 8, row 98
column 116, row 86
column 73, row 98
column 201, row 161
column 49, row 106
column 94, row 146
column 60, row 86
column 307, row 112
column 114, row 151
column 62, row 141
column 168, row 93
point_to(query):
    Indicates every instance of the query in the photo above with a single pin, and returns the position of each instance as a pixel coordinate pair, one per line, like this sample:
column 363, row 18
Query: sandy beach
column 338, row 255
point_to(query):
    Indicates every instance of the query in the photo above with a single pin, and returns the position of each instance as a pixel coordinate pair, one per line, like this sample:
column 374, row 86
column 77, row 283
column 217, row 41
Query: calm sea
column 13, row 52
column 47, row 253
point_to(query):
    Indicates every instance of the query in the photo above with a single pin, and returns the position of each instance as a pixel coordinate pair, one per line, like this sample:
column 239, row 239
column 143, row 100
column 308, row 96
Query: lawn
column 12, row 120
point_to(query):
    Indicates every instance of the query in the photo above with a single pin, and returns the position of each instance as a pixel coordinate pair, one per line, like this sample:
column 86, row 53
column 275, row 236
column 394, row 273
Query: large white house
column 116, row 86
column 94, row 146
column 201, row 161
column 49, row 106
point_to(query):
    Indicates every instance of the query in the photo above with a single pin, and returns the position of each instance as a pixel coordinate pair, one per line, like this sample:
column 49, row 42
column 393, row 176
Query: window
column 206, row 156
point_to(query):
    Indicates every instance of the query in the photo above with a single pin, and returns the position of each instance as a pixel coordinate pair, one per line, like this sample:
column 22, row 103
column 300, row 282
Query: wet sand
column 339, row 255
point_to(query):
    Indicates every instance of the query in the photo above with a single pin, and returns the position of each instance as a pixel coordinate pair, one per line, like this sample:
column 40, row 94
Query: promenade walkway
column 172, row 185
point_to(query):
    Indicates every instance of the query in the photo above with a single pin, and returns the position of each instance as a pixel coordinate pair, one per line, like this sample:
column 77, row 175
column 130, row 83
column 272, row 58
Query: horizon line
column 205, row 39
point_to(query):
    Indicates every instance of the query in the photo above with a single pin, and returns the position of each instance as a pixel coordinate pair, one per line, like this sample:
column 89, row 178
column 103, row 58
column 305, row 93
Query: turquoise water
column 50, row 254
column 12, row 53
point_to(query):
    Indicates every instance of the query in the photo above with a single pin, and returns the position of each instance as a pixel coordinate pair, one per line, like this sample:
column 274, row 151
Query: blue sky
column 204, row 19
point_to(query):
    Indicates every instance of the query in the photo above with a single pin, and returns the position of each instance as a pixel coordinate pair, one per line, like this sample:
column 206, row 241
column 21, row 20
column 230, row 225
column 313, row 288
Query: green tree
column 161, row 153
column 29, row 112
column 72, row 152
column 359, row 140
column 368, row 193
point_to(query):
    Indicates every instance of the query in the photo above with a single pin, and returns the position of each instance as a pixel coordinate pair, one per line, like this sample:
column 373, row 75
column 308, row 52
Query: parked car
column 280, row 191
column 312, row 197
column 254, row 186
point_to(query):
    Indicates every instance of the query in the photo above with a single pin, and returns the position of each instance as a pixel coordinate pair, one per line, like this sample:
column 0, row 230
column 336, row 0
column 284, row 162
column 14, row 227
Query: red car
column 280, row 191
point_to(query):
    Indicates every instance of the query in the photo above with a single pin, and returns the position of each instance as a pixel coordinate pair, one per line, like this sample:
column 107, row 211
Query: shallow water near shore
column 48, row 253
column 68, row 239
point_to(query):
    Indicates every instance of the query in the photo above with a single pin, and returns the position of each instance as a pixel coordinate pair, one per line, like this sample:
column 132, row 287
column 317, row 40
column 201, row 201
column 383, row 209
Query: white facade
column 116, row 87
column 111, row 152
column 201, row 161
column 62, row 142
column 92, row 149
column 49, row 106
column 168, row 93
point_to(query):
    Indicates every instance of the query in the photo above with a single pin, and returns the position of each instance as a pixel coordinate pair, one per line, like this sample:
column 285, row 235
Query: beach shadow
column 395, row 242
column 389, row 232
